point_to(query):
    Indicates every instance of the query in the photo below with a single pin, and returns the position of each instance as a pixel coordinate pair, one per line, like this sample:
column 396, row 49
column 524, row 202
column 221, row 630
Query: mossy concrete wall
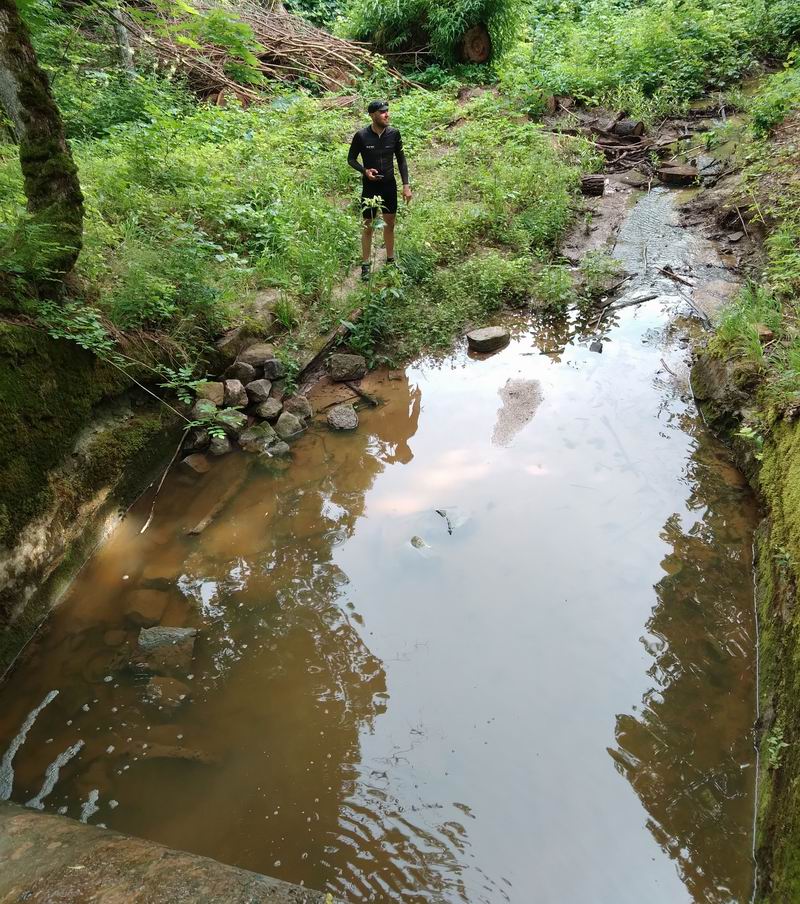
column 725, row 391
column 76, row 448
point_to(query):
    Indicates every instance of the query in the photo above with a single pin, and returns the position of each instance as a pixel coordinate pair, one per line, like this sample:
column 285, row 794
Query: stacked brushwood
column 290, row 49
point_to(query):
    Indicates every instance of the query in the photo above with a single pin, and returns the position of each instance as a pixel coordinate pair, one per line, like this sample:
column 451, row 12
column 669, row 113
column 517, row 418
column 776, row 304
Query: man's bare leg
column 366, row 241
column 388, row 234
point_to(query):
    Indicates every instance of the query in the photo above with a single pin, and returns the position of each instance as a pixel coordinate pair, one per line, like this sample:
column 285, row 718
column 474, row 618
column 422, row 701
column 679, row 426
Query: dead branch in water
column 227, row 496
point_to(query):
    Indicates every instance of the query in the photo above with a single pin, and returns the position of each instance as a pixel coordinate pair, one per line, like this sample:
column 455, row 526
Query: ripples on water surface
column 548, row 701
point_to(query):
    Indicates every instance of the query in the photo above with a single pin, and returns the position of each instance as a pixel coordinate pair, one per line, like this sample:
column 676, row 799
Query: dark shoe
column 391, row 262
column 366, row 269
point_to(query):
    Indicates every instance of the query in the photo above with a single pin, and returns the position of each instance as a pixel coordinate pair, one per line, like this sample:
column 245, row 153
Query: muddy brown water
column 547, row 697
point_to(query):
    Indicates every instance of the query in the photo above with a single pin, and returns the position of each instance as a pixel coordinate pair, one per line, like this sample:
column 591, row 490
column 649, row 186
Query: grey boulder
column 258, row 391
column 342, row 417
column 344, row 367
column 256, row 354
column 298, row 405
column 235, row 395
column 258, row 439
column 219, row 445
column 274, row 369
column 488, row 339
column 269, row 410
column 212, row 392
column 164, row 650
column 289, row 425
column 241, row 371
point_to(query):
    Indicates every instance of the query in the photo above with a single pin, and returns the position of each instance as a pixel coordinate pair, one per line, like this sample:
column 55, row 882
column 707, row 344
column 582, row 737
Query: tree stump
column 476, row 45
column 593, row 185
column 629, row 127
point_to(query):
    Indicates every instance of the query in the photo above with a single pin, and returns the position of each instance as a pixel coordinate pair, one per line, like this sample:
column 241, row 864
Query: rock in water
column 343, row 417
column 258, row 391
column 235, row 395
column 165, row 650
column 211, row 391
column 145, row 608
column 196, row 462
column 168, row 693
column 255, row 355
column 197, row 439
column 288, row 425
column 678, row 175
column 258, row 439
column 488, row 339
column 299, row 406
column 269, row 410
column 343, row 367
column 219, row 445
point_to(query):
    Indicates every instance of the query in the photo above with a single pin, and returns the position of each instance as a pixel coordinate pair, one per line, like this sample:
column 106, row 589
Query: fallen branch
column 161, row 482
column 364, row 395
column 628, row 304
column 668, row 271
column 233, row 490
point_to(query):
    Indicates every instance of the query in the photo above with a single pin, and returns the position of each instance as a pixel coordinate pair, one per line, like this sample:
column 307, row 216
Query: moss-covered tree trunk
column 55, row 202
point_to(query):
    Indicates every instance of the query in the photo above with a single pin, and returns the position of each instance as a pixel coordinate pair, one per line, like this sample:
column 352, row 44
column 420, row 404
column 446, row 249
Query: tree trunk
column 123, row 42
column 55, row 202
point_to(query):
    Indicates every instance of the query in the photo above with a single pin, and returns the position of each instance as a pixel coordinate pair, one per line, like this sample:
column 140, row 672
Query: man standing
column 378, row 144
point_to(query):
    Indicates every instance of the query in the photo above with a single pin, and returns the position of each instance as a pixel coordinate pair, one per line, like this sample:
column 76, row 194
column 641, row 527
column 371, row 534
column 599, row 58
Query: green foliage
column 774, row 745
column 320, row 12
column 776, row 99
column 647, row 57
column 736, row 334
column 554, row 288
column 598, row 269
column 415, row 23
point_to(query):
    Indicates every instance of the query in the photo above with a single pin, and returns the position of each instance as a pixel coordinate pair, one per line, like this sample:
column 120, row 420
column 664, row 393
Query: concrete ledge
column 51, row 858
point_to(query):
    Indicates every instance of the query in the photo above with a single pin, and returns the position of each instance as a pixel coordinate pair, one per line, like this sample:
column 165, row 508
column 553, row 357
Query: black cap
column 377, row 106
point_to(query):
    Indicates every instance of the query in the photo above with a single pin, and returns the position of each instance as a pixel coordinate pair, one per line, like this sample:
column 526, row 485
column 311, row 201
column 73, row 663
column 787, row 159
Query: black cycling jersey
column 377, row 152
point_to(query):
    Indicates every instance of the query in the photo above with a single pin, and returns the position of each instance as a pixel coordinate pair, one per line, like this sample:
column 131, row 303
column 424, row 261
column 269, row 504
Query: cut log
column 476, row 45
column 593, row 185
column 629, row 127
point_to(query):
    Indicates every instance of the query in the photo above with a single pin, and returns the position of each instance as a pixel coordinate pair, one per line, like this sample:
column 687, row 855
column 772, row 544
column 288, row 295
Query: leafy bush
column 442, row 25
column 320, row 12
column 779, row 95
column 648, row 56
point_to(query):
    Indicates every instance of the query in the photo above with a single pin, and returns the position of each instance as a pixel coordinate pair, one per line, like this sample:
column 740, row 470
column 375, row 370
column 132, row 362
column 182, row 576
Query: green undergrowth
column 762, row 322
column 194, row 211
column 760, row 333
column 648, row 57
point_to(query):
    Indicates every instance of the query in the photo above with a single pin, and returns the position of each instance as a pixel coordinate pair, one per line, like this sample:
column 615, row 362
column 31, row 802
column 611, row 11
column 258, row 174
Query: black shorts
column 384, row 192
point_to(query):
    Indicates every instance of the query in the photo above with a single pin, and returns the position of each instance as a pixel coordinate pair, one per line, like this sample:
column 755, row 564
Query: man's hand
column 407, row 193
column 371, row 174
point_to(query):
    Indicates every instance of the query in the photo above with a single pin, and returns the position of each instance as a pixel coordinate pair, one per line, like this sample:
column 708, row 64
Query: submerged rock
column 258, row 391
column 196, row 462
column 521, row 399
column 344, row 367
column 289, row 425
column 165, row 650
column 145, row 608
column 269, row 410
column 342, row 417
column 258, row 439
column 488, row 339
column 168, row 693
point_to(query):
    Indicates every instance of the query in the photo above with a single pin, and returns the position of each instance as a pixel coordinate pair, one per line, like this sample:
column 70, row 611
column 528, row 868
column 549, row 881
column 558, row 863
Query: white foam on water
column 51, row 775
column 7, row 763
column 90, row 807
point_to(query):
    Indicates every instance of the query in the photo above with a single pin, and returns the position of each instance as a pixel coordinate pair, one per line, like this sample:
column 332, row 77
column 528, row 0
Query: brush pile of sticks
column 291, row 49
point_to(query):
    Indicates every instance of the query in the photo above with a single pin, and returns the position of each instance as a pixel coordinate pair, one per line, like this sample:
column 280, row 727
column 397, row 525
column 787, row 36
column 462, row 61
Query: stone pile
column 248, row 406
